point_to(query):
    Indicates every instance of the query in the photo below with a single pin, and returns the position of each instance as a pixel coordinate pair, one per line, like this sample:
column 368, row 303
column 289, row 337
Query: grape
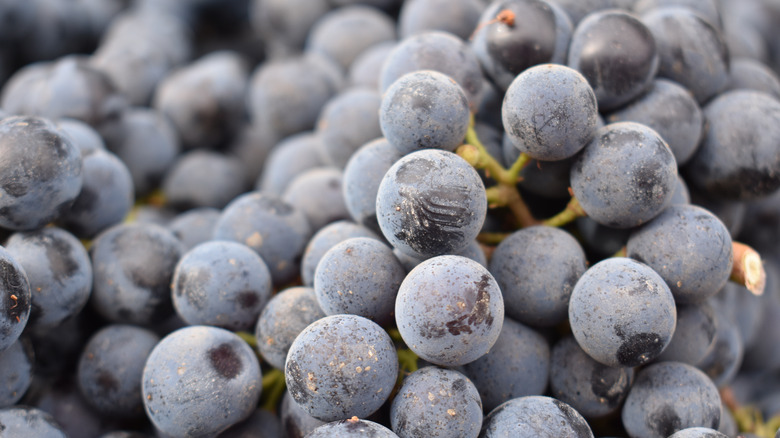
column 449, row 310
column 537, row 33
column 359, row 276
column 691, row 50
column 343, row 33
column 340, row 366
column 725, row 357
column 16, row 372
column 517, row 365
column 325, row 239
column 456, row 17
column 287, row 94
column 473, row 251
column 29, row 422
column 436, row 402
column 194, row 226
column 625, row 176
column 185, row 188
column 367, row 66
column 750, row 74
column 533, row 294
column 282, row 319
column 424, row 109
column 221, row 283
column 689, row 248
column 200, row 380
column 84, row 136
column 622, row 313
column 205, row 99
column 352, row 427
column 16, row 303
column 40, row 174
column 698, row 432
column 534, row 417
column 65, row 87
column 707, row 9
column 670, row 396
column 106, row 195
column 439, row 51
column 261, row 424
column 672, row 112
column 285, row 24
column 317, row 193
column 296, row 422
column 694, row 334
column 738, row 158
column 616, row 53
column 362, row 176
column 550, row 112
column 146, row 141
column 593, row 389
column 59, row 271
column 347, row 122
column 430, row 202
column 277, row 231
column 132, row 267
column 110, row 369
column 288, row 158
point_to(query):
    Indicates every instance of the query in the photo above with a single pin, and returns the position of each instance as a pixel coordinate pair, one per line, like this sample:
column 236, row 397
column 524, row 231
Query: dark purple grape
column 622, row 313
column 517, row 365
column 439, row 51
column 185, row 187
column 110, row 369
column 205, row 100
column 616, row 53
column 458, row 17
column 16, row 299
column 282, row 319
column 352, row 427
column 625, row 176
column 739, row 158
column 200, row 380
column 325, row 239
column 221, row 283
column 424, row 109
column 537, row 268
column 689, row 247
column 340, row 366
column 694, row 334
column 318, row 194
column 59, row 271
column 343, row 33
column 593, row 389
column 691, row 51
column 348, row 121
column 132, row 267
column 40, row 173
column 550, row 112
column 449, row 310
column 431, row 202
column 25, row 421
column 359, row 276
column 435, row 401
column 538, row 33
column 362, row 176
column 16, row 372
column 277, row 231
column 672, row 112
column 535, row 417
column 670, row 396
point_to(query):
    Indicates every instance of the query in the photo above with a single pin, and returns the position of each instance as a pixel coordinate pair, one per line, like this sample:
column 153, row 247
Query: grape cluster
column 389, row 218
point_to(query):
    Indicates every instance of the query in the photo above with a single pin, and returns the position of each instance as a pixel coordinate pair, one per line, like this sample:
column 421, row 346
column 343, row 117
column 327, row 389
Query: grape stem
column 748, row 269
column 505, row 192
column 274, row 386
column 572, row 211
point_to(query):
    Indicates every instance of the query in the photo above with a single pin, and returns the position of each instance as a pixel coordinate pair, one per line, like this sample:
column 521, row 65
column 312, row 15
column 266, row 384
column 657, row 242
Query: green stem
column 273, row 389
column 492, row 238
column 572, row 211
column 249, row 338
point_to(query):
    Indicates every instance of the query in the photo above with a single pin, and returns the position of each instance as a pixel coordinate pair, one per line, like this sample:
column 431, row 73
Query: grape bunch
column 390, row 218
